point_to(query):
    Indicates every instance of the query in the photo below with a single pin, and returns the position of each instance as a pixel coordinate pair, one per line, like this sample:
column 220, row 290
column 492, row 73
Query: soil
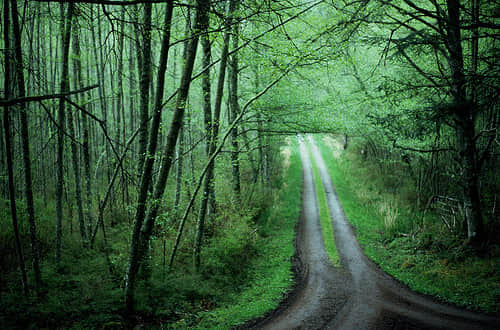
column 357, row 295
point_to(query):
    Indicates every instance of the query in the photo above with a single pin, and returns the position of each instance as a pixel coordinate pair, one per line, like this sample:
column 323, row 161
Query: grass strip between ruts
column 324, row 214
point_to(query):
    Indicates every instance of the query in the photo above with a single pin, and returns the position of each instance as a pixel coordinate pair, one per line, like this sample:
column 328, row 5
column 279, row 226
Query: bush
column 230, row 250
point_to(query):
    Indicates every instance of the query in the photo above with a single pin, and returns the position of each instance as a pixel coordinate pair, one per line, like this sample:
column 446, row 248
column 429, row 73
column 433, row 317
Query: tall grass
column 389, row 212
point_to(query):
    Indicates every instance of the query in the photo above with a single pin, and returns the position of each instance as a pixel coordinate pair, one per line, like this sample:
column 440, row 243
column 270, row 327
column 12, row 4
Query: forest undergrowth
column 246, row 268
column 415, row 247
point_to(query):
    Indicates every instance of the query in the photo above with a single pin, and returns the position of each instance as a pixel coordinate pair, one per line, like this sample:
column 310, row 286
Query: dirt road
column 357, row 295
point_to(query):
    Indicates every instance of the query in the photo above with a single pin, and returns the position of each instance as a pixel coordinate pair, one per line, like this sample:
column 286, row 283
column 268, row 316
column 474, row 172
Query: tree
column 64, row 87
column 136, row 246
column 212, row 123
column 144, row 69
column 234, row 111
column 28, row 186
column 428, row 39
column 77, row 73
column 8, row 151
column 76, row 163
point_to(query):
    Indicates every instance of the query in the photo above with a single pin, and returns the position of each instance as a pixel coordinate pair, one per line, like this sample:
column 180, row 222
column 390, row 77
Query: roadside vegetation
column 246, row 269
column 415, row 246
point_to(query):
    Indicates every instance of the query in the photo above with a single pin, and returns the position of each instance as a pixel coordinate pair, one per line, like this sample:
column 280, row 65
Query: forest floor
column 357, row 295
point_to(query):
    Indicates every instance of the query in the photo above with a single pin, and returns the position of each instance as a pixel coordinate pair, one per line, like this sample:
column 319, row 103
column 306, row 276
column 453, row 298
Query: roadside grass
column 269, row 273
column 324, row 214
column 423, row 254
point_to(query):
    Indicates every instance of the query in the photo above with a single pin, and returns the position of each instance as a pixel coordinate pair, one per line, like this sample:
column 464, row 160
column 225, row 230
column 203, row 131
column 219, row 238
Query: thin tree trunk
column 77, row 68
column 234, row 111
column 26, row 148
column 120, row 99
column 75, row 161
column 212, row 129
column 144, row 82
column 474, row 45
column 178, row 182
column 8, row 150
column 207, row 116
column 76, row 173
column 135, row 255
column 255, row 168
column 64, row 87
column 132, row 87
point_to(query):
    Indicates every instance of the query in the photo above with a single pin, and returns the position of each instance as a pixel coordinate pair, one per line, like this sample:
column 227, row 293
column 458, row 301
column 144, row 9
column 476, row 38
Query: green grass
column 424, row 256
column 270, row 275
column 324, row 215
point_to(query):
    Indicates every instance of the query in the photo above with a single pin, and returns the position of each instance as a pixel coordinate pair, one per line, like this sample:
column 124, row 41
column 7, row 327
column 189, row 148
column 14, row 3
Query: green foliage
column 246, row 269
column 425, row 255
column 269, row 275
column 230, row 250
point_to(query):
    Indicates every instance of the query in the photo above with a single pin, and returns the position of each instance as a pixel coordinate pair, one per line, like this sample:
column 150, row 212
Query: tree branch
column 11, row 102
column 395, row 145
column 107, row 2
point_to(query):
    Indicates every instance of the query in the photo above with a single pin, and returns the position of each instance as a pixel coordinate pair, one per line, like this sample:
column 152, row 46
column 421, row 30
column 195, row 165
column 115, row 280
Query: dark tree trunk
column 8, row 149
column 212, row 129
column 178, row 182
column 144, row 82
column 77, row 68
column 234, row 111
column 76, row 163
column 64, row 87
column 465, row 113
column 135, row 251
column 207, row 119
column 26, row 147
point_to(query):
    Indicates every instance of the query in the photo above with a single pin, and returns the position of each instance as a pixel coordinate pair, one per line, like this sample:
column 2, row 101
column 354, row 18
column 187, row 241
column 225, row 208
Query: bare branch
column 11, row 102
column 395, row 145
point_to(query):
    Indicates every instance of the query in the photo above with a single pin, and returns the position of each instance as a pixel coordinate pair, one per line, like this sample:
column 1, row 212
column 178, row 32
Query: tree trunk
column 135, row 256
column 75, row 159
column 8, row 150
column 26, row 146
column 76, row 173
column 207, row 116
column 77, row 68
column 144, row 82
column 234, row 111
column 178, row 182
column 64, row 87
column 139, row 246
column 464, row 112
column 212, row 129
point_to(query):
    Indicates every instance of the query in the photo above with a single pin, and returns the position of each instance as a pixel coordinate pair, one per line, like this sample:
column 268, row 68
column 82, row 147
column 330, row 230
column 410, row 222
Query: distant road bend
column 357, row 295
